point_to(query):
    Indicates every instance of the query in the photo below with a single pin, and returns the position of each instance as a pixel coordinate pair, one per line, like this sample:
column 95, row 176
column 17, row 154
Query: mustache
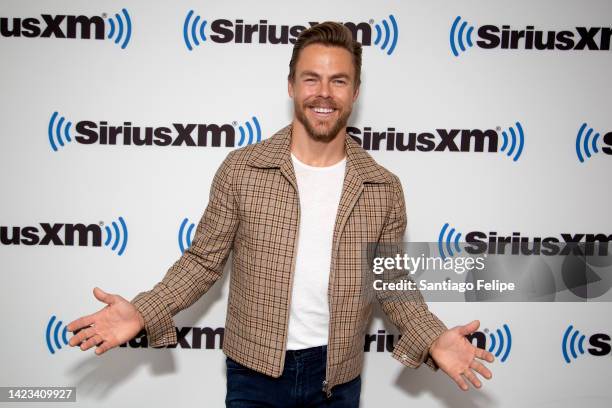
column 322, row 103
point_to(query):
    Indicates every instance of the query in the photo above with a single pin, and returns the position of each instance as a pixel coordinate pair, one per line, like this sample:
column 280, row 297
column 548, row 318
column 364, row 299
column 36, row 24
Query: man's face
column 323, row 90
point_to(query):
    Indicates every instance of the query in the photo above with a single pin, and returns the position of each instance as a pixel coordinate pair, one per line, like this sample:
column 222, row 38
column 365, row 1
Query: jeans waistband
column 310, row 353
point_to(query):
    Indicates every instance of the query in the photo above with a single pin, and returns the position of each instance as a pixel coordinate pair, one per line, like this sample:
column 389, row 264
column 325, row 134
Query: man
column 296, row 209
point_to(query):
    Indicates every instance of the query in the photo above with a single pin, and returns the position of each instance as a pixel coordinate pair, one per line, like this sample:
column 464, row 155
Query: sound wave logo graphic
column 185, row 234
column 570, row 341
column 585, row 145
column 461, row 36
column 120, row 28
column 448, row 239
column 58, row 131
column 513, row 144
column 253, row 132
column 193, row 31
column 501, row 342
column 117, row 236
column 390, row 35
column 56, row 334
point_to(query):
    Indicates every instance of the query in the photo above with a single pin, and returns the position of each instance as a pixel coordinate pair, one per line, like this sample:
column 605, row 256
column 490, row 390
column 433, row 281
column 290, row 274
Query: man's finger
column 484, row 355
column 102, row 348
column 481, row 369
column 460, row 382
column 81, row 336
column 92, row 341
column 469, row 374
column 80, row 323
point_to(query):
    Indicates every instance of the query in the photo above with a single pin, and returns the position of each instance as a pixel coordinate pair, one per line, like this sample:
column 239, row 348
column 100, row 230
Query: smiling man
column 296, row 209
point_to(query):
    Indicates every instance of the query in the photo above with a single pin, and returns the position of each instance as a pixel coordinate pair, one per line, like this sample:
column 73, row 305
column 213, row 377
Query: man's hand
column 115, row 324
column 456, row 356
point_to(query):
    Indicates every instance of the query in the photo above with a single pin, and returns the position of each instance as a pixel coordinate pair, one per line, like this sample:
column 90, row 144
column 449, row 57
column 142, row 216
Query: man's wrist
column 432, row 346
column 141, row 320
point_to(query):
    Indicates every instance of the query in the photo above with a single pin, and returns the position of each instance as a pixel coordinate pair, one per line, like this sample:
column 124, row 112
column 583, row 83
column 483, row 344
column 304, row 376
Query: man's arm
column 406, row 309
column 200, row 265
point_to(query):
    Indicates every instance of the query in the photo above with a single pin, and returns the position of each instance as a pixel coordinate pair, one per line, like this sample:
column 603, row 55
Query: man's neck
column 314, row 153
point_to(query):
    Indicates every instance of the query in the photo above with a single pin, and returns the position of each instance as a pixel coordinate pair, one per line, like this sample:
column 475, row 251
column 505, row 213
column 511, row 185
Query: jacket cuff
column 412, row 349
column 158, row 319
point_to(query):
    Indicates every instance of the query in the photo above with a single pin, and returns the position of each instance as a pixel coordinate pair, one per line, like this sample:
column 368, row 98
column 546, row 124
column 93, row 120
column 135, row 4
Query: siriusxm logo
column 208, row 338
column 492, row 36
column 114, row 236
column 452, row 140
column 59, row 133
column 479, row 242
column 500, row 341
column 56, row 334
column 185, row 234
column 573, row 344
column 224, row 31
column 587, row 143
column 116, row 28
column 188, row 337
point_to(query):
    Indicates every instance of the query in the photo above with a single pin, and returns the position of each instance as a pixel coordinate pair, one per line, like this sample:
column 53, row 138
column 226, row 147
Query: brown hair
column 331, row 34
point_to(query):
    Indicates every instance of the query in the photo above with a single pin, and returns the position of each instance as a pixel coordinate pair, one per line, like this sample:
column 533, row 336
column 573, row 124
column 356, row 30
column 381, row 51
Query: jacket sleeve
column 406, row 309
column 200, row 265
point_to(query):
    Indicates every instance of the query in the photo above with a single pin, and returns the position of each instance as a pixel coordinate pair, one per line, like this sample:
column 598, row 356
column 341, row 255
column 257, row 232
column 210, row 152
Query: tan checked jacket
column 254, row 210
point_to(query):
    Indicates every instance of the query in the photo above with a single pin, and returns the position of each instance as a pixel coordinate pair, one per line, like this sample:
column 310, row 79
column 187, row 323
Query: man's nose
column 324, row 89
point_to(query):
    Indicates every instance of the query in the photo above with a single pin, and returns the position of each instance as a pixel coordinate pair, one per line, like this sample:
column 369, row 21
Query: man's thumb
column 470, row 328
column 103, row 296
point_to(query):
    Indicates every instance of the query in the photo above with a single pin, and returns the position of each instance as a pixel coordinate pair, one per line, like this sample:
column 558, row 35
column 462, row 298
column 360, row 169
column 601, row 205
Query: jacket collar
column 274, row 152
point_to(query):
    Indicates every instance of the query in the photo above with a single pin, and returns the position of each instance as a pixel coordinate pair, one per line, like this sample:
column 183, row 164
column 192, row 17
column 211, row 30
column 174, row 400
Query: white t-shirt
column 319, row 190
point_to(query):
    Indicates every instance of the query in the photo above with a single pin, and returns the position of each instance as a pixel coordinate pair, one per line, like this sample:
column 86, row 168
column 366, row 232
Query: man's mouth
column 322, row 112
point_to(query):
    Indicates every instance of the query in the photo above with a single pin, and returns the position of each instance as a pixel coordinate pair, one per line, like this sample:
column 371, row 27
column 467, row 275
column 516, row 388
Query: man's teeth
column 323, row 110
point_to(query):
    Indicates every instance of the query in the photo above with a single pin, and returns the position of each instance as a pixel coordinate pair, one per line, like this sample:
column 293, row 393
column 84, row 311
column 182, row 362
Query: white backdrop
column 416, row 84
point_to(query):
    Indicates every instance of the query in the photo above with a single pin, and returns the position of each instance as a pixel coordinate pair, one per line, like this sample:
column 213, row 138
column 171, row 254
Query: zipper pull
column 325, row 389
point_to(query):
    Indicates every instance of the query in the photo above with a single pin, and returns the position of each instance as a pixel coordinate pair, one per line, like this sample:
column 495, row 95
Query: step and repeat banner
column 115, row 115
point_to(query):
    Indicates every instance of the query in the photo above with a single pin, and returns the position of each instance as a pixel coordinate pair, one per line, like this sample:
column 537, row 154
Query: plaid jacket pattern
column 254, row 210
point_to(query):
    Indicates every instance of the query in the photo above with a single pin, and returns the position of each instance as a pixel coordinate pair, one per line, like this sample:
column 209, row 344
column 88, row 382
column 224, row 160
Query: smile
column 322, row 112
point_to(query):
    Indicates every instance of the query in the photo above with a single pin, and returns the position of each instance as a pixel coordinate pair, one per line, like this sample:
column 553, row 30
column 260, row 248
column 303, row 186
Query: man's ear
column 356, row 94
column 290, row 88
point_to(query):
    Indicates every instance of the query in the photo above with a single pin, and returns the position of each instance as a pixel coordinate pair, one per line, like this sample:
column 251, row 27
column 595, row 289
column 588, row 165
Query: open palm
column 457, row 357
column 118, row 322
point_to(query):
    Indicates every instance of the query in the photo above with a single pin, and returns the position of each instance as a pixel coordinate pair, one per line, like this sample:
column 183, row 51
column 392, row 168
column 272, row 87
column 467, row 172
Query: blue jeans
column 300, row 385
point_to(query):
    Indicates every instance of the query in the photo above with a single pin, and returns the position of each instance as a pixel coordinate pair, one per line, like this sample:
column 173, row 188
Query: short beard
column 324, row 137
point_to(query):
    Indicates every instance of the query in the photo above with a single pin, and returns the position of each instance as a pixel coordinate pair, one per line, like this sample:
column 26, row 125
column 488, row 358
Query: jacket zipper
column 326, row 388
column 295, row 244
column 326, row 385
column 325, row 381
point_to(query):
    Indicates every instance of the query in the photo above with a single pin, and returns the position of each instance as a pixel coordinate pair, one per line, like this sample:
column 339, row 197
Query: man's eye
column 340, row 81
